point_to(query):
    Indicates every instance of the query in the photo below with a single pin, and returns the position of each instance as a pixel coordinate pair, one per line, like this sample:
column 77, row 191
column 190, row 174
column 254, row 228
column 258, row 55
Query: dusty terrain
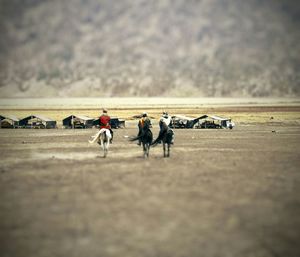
column 221, row 193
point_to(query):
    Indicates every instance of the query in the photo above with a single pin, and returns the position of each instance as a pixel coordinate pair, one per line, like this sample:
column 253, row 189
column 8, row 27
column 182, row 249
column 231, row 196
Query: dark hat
column 104, row 110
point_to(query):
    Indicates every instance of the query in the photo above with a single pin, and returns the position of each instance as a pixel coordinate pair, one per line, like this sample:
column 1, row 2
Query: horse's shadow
column 100, row 157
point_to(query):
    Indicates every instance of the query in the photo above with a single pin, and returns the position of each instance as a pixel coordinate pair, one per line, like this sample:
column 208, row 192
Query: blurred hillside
column 149, row 48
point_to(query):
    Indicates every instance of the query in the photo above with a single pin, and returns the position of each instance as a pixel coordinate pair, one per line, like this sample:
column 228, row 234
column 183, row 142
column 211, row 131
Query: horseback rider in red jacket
column 104, row 122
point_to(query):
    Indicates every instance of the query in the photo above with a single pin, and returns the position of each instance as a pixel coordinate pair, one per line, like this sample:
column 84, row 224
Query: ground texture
column 221, row 193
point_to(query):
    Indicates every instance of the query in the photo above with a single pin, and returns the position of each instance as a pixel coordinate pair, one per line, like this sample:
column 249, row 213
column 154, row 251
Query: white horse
column 102, row 137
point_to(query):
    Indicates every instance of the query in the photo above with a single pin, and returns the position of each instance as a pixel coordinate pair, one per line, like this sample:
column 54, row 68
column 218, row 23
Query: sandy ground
column 221, row 193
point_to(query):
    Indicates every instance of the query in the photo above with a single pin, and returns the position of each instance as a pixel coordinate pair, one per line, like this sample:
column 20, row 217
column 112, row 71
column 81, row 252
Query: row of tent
column 81, row 121
column 204, row 121
column 72, row 121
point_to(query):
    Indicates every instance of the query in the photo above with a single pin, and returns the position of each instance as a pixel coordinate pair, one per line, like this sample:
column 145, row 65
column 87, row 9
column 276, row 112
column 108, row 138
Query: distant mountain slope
column 149, row 48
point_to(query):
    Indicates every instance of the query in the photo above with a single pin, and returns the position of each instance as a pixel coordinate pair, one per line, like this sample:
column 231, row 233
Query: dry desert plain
column 221, row 193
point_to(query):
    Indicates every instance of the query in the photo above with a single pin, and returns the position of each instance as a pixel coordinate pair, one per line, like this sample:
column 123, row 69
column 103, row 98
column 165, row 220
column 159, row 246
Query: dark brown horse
column 146, row 138
column 166, row 136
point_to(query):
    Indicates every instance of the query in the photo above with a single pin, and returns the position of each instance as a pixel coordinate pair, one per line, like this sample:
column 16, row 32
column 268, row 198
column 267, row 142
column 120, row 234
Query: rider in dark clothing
column 164, row 127
column 104, row 122
column 144, row 124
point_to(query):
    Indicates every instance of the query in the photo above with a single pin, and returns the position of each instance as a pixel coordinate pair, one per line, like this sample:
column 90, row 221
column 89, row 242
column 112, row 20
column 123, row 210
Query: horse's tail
column 135, row 138
column 95, row 137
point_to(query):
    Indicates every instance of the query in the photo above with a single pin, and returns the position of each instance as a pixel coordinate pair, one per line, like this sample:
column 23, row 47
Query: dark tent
column 9, row 121
column 77, row 121
column 37, row 121
column 212, row 121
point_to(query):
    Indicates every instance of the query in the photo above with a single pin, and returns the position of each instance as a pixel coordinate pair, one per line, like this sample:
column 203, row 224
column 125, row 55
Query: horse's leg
column 164, row 146
column 145, row 150
column 103, row 143
column 103, row 146
column 106, row 144
column 168, row 150
column 105, row 149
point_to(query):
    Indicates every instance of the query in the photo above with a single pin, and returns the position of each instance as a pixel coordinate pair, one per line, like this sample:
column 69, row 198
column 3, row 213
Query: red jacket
column 104, row 121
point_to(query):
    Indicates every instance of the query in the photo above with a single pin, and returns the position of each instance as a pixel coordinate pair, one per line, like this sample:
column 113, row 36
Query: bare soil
column 221, row 193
